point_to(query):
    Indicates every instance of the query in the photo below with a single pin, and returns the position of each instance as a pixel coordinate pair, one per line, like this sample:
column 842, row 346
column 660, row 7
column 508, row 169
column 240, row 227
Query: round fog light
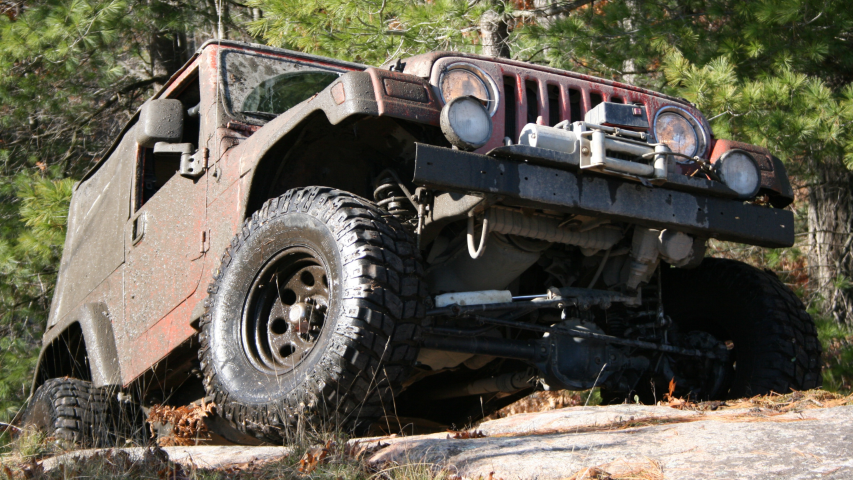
column 739, row 171
column 466, row 123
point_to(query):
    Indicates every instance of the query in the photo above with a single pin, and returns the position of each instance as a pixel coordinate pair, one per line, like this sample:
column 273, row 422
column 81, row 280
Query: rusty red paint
column 723, row 146
column 769, row 179
column 180, row 77
column 339, row 95
column 428, row 112
column 242, row 127
column 422, row 65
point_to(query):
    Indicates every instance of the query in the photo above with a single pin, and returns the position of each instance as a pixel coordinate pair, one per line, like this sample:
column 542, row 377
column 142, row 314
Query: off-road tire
column 368, row 340
column 776, row 348
column 75, row 411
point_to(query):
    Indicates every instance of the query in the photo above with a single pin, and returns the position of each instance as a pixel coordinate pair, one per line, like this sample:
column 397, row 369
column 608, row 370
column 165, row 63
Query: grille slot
column 532, row 91
column 561, row 100
column 576, row 105
column 594, row 99
column 554, row 110
column 510, row 108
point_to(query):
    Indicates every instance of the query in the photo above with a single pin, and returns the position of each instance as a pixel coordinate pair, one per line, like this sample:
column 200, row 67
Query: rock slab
column 731, row 444
column 685, row 445
column 201, row 456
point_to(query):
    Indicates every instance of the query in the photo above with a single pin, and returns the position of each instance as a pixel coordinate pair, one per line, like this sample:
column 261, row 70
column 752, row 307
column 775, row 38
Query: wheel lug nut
column 299, row 312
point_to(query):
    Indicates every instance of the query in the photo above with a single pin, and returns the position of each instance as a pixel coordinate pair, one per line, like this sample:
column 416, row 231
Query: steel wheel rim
column 285, row 310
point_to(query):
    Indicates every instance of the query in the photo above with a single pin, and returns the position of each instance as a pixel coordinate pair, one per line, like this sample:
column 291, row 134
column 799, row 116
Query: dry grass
column 332, row 458
column 647, row 469
column 545, row 401
column 772, row 403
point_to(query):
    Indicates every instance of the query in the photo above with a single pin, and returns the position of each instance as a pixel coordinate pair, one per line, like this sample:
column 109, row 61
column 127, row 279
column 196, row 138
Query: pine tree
column 71, row 74
column 369, row 31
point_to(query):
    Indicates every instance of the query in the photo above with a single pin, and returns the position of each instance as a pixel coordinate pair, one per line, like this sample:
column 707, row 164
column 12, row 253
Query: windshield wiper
column 260, row 114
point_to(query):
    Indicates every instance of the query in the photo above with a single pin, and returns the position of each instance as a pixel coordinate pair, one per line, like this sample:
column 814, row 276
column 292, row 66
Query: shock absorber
column 393, row 196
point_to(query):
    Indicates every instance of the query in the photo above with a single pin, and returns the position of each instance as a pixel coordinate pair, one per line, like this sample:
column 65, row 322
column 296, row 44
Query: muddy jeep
column 299, row 239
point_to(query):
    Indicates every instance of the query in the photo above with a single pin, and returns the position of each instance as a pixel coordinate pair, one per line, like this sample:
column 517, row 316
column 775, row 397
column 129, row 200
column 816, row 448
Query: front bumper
column 688, row 205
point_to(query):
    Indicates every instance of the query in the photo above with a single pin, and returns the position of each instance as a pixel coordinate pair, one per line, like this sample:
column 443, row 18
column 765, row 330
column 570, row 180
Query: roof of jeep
column 276, row 50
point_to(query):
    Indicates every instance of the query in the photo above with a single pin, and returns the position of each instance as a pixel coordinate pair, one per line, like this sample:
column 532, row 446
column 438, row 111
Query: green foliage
column 30, row 249
column 370, row 31
column 798, row 117
column 591, row 397
column 71, row 72
column 837, row 343
column 18, row 362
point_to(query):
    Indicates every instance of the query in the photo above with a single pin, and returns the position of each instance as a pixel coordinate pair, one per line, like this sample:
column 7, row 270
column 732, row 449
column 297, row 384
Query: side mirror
column 160, row 120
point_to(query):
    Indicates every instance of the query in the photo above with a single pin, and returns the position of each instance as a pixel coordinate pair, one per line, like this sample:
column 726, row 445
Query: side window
column 154, row 171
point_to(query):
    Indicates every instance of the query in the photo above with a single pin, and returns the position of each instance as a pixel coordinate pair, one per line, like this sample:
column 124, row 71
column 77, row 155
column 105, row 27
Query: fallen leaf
column 360, row 450
column 187, row 423
column 313, row 457
column 33, row 469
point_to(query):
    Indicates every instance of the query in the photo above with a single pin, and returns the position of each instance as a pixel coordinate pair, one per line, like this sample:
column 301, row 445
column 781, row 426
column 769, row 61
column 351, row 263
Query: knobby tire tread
column 785, row 345
column 79, row 412
column 375, row 343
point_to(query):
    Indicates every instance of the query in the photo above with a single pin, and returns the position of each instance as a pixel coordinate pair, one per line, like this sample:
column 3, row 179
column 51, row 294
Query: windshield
column 282, row 92
column 258, row 88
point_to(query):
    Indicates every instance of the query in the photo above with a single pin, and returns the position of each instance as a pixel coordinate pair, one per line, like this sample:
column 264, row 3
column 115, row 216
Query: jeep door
column 164, row 243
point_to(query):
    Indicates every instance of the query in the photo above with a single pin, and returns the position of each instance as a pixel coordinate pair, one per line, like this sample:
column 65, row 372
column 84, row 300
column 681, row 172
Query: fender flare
column 94, row 321
column 373, row 92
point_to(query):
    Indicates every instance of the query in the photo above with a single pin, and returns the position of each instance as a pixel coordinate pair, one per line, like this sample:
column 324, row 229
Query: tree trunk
column 831, row 237
column 168, row 53
column 493, row 30
column 629, row 24
column 167, row 49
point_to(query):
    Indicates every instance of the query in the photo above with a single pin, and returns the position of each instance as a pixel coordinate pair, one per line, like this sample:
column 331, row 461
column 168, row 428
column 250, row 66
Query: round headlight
column 466, row 123
column 739, row 171
column 680, row 131
column 466, row 80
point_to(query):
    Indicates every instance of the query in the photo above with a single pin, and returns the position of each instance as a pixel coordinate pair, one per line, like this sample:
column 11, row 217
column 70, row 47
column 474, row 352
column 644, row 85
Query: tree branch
column 553, row 9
